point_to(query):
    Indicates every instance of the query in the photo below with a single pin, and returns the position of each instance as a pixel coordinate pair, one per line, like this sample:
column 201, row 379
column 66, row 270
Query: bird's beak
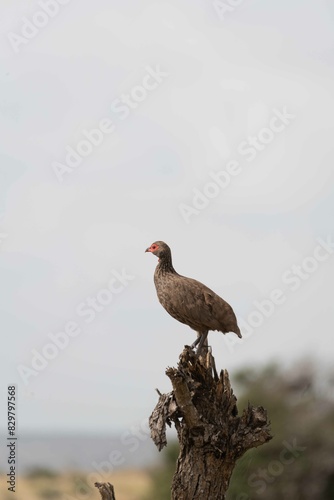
column 148, row 249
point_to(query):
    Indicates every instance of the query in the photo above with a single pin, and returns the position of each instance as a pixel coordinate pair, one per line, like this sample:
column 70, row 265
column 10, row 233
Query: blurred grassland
column 45, row 485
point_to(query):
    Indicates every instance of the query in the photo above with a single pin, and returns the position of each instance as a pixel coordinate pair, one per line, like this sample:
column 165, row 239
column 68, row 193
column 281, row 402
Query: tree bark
column 211, row 434
column 106, row 491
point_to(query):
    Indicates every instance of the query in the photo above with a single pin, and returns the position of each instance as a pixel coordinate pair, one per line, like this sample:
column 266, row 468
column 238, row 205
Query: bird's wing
column 204, row 306
column 195, row 302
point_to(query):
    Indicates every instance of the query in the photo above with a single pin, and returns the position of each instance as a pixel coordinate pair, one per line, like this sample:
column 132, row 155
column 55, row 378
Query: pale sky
column 181, row 95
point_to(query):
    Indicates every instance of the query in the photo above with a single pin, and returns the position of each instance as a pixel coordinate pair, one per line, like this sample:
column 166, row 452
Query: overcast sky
column 216, row 136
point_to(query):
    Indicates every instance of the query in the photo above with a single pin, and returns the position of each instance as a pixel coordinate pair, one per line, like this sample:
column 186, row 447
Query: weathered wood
column 212, row 435
column 164, row 413
column 106, row 491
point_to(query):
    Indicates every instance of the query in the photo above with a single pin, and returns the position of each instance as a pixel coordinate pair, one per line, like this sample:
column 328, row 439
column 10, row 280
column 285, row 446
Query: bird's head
column 160, row 249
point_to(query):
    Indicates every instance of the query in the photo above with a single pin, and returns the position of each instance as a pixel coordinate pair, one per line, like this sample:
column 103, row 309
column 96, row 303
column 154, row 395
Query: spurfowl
column 188, row 300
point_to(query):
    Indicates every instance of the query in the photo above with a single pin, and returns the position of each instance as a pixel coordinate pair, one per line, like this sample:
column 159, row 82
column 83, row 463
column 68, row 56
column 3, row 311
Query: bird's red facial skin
column 153, row 248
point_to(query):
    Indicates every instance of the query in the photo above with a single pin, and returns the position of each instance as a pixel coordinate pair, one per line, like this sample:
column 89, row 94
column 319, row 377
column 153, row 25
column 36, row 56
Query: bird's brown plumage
column 188, row 300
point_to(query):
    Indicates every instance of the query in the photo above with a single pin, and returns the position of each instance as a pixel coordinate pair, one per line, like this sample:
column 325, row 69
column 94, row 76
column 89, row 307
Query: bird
column 189, row 301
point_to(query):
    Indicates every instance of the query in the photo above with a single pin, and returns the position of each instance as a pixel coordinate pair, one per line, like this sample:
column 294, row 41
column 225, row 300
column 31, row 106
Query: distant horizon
column 61, row 452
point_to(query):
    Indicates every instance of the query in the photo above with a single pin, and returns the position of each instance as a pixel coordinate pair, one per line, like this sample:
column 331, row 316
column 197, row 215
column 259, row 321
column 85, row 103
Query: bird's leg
column 202, row 342
column 194, row 344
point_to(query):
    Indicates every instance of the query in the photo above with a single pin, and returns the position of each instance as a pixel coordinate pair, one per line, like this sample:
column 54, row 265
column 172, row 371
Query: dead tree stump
column 211, row 434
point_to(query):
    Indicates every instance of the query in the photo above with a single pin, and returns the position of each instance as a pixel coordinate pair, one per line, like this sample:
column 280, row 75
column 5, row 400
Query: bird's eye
column 154, row 247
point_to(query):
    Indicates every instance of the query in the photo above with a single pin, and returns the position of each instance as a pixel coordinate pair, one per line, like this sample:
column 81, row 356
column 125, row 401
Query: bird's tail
column 237, row 331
